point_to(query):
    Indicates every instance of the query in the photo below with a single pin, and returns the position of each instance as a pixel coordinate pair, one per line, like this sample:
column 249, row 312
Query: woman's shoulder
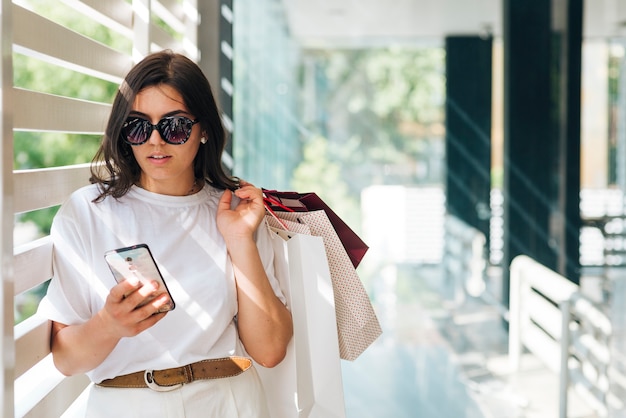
column 80, row 198
column 86, row 193
column 76, row 207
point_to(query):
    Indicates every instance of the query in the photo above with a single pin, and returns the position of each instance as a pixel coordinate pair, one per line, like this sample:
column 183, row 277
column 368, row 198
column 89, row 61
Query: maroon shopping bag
column 305, row 202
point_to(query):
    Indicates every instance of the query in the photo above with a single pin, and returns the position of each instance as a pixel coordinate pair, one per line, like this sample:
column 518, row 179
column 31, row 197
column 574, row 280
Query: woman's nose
column 155, row 137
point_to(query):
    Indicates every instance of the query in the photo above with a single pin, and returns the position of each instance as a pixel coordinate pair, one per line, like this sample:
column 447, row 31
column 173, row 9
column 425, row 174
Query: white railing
column 571, row 335
column 586, row 355
column 31, row 386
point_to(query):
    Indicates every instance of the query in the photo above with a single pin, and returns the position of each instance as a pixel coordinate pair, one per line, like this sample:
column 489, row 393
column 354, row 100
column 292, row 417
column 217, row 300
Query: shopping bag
column 357, row 323
column 307, row 383
column 304, row 202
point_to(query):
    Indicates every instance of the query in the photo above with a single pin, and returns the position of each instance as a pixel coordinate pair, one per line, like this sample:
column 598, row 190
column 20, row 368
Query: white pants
column 240, row 396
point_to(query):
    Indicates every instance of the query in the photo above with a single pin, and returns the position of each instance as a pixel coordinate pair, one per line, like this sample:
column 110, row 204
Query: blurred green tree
column 319, row 173
column 394, row 99
column 380, row 113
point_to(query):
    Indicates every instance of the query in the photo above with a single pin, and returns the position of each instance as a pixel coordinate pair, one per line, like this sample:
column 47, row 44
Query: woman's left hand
column 244, row 219
column 264, row 323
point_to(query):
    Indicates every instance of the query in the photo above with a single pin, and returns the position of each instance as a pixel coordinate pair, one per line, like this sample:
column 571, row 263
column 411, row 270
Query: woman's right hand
column 131, row 307
column 81, row 347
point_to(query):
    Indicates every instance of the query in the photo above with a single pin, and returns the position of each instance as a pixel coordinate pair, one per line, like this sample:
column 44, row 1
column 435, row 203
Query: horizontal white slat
column 43, row 392
column 592, row 313
column 32, row 343
column 160, row 39
column 59, row 399
column 114, row 14
column 37, row 36
column 586, row 347
column 543, row 347
column 36, row 189
column 35, row 111
column 588, row 391
column 171, row 12
column 551, row 284
column 78, row 407
column 32, row 264
column 545, row 314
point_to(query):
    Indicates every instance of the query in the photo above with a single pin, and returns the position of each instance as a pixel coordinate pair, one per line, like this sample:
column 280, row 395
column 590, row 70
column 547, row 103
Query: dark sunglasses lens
column 175, row 130
column 136, row 131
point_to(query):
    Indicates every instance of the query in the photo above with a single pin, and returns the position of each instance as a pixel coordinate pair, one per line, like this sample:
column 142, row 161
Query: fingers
column 156, row 306
column 225, row 200
column 131, row 290
column 241, row 220
column 123, row 288
column 248, row 191
column 250, row 198
column 132, row 307
column 150, row 293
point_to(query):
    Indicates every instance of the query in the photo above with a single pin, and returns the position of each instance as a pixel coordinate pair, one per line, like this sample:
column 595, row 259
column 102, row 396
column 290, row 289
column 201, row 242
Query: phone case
column 137, row 262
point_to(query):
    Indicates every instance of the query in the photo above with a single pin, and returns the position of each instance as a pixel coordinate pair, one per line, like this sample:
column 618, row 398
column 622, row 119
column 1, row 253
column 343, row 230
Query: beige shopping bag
column 307, row 383
column 357, row 323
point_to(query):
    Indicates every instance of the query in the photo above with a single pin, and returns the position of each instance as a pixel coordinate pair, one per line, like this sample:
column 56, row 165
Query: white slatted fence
column 31, row 386
column 571, row 335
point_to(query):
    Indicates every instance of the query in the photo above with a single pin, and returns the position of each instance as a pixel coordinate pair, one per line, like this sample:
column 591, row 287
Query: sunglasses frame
column 159, row 126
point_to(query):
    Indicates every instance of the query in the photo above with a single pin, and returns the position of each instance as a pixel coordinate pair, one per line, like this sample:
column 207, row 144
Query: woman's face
column 165, row 168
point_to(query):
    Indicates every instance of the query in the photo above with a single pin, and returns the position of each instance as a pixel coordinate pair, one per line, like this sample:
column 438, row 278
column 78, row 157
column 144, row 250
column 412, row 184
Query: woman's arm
column 82, row 347
column 265, row 324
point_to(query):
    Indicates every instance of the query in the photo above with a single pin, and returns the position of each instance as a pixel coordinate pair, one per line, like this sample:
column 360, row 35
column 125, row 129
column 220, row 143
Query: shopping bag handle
column 269, row 200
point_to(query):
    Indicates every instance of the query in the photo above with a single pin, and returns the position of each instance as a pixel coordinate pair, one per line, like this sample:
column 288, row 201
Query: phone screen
column 136, row 263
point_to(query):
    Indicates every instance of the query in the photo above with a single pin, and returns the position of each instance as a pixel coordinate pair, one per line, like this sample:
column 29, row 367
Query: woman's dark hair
column 114, row 166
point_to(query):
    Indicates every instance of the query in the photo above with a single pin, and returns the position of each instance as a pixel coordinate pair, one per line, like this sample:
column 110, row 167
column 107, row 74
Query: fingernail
column 133, row 281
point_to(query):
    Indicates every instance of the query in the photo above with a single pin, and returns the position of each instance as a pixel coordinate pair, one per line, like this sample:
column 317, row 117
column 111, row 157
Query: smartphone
column 137, row 262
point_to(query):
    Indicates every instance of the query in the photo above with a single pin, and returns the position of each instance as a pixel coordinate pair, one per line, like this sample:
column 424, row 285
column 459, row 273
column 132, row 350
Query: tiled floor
column 438, row 360
column 405, row 381
column 411, row 370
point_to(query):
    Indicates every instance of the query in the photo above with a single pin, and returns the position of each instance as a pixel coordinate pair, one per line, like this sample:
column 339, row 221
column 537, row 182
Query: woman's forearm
column 265, row 324
column 80, row 348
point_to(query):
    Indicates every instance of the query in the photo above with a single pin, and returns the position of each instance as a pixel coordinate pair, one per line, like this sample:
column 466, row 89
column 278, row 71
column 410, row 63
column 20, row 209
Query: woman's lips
column 159, row 159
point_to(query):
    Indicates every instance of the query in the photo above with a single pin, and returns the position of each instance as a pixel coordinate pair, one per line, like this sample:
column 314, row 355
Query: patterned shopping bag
column 357, row 324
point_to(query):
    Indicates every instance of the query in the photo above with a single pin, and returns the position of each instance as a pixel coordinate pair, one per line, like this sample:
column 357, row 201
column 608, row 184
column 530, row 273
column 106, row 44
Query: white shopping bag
column 307, row 383
column 357, row 324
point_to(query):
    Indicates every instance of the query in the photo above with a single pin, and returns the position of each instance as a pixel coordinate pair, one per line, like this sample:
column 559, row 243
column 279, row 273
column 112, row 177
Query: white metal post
column 142, row 13
column 617, row 347
column 209, row 42
column 565, row 343
column 515, row 315
column 192, row 20
column 7, row 346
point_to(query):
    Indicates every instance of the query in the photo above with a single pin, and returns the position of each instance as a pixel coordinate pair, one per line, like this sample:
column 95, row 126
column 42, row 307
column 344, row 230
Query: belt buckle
column 148, row 377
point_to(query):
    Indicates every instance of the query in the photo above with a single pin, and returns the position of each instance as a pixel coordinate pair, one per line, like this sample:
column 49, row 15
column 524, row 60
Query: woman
column 158, row 180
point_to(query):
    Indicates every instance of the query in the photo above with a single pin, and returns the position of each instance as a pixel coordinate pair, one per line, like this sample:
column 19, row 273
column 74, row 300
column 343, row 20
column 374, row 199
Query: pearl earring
column 203, row 140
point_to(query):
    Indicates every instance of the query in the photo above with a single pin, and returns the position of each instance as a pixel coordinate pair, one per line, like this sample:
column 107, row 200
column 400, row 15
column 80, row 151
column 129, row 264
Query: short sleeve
column 70, row 295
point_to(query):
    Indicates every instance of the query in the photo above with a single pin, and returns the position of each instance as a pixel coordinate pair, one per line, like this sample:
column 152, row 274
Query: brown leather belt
column 170, row 379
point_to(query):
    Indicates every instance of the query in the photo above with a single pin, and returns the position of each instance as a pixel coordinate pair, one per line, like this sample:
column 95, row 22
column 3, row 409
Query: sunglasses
column 173, row 129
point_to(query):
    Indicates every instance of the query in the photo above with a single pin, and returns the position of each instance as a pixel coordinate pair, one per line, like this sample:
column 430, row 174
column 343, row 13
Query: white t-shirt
column 183, row 237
